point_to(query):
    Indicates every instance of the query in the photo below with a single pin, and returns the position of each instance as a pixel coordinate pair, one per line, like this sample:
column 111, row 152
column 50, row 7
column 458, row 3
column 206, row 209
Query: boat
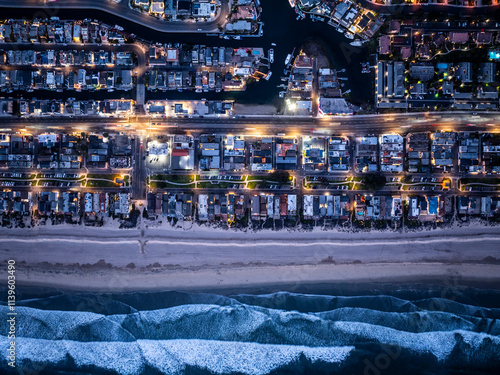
column 268, row 76
column 271, row 55
column 317, row 18
column 365, row 67
column 349, row 35
column 356, row 43
column 288, row 59
column 103, row 33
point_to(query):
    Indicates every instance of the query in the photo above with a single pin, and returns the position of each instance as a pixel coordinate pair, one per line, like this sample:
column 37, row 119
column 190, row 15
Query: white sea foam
column 35, row 350
column 455, row 307
column 172, row 356
column 157, row 356
column 475, row 340
column 321, row 302
column 227, row 339
column 203, row 321
column 123, row 357
column 53, row 324
column 244, row 323
column 440, row 344
column 290, row 316
column 228, row 357
column 412, row 321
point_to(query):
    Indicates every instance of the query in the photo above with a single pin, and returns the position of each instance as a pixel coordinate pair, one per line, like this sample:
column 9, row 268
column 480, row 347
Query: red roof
column 180, row 152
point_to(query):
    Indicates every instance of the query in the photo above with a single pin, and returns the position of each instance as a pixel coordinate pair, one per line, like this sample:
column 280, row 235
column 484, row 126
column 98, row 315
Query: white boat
column 271, row 55
column 288, row 59
column 268, row 76
column 349, row 35
column 356, row 43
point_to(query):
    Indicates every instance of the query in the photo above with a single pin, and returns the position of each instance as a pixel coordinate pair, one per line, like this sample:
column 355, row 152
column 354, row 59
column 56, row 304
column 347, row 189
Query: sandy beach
column 204, row 258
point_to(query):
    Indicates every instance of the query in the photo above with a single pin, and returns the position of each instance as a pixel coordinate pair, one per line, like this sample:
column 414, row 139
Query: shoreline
column 265, row 279
column 428, row 285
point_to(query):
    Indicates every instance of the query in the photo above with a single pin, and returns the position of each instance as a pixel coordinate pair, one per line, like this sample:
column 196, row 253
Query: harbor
column 283, row 28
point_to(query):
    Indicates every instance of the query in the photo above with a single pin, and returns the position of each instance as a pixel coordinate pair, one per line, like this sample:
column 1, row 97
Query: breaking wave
column 181, row 333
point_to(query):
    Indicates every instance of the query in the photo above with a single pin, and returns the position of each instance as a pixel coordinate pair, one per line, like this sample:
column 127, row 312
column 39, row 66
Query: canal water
column 280, row 27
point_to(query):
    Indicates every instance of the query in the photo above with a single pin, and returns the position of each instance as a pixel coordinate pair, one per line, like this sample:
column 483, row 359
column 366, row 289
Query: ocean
column 411, row 329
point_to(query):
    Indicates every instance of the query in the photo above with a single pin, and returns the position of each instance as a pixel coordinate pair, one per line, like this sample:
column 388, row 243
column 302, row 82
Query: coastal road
column 350, row 125
column 50, row 9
